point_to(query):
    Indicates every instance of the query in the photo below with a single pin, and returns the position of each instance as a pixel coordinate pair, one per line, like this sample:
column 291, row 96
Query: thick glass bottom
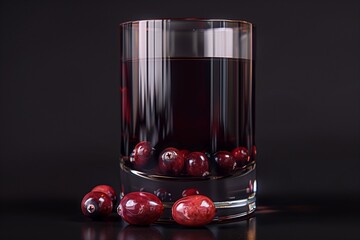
column 234, row 195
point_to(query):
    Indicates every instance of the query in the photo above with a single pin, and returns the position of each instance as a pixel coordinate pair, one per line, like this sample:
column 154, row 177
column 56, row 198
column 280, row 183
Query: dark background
column 59, row 100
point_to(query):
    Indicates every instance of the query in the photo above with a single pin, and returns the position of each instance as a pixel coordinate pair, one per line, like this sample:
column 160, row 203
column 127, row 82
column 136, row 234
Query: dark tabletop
column 283, row 221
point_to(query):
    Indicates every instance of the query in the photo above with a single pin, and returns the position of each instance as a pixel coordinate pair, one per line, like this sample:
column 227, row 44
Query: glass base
column 234, row 195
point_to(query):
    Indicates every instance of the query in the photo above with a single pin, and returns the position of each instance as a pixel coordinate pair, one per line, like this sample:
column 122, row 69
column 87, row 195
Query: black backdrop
column 59, row 101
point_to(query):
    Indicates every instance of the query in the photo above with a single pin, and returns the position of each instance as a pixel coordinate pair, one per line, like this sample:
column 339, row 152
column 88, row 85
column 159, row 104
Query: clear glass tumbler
column 188, row 113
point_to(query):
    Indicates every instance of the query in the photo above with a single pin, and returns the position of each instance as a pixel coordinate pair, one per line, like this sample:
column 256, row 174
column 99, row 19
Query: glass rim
column 190, row 20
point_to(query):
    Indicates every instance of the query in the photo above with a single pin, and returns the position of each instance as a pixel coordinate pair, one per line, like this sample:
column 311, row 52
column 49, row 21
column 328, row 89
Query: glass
column 188, row 113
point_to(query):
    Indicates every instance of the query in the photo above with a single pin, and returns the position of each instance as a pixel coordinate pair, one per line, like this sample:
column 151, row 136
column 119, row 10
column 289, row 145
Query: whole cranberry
column 141, row 154
column 197, row 164
column 194, row 210
column 225, row 161
column 96, row 205
column 189, row 192
column 108, row 190
column 241, row 155
column 163, row 195
column 140, row 208
column 171, row 161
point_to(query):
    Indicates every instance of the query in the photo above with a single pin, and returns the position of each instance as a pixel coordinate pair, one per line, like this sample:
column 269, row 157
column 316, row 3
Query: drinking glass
column 188, row 113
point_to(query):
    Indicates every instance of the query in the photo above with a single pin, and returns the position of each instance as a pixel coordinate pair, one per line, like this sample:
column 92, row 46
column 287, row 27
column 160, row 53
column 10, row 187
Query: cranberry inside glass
column 197, row 164
column 187, row 112
column 241, row 155
column 141, row 154
column 226, row 163
column 171, row 161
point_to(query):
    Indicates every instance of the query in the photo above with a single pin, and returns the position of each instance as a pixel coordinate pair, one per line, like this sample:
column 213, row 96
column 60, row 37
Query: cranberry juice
column 189, row 123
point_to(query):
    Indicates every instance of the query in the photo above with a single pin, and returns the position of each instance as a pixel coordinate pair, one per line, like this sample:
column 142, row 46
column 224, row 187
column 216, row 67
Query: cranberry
column 197, row 164
column 163, row 195
column 241, row 155
column 108, row 190
column 171, row 161
column 189, row 192
column 225, row 161
column 141, row 154
column 140, row 208
column 96, row 204
column 184, row 153
column 194, row 210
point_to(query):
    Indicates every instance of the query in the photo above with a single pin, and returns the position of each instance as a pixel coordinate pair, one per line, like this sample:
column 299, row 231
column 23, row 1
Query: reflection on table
column 245, row 229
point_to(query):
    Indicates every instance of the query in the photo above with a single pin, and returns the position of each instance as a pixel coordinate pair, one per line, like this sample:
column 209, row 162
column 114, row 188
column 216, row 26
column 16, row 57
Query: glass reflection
column 99, row 231
column 139, row 233
column 245, row 229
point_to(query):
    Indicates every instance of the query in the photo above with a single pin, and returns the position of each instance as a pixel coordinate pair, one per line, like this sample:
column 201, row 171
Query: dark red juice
column 195, row 104
column 200, row 104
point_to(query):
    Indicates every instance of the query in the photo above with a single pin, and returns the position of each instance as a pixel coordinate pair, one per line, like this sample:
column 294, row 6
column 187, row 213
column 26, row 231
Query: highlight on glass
column 188, row 113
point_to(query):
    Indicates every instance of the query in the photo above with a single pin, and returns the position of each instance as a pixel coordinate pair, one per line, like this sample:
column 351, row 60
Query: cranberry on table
column 225, row 161
column 141, row 154
column 189, row 192
column 140, row 208
column 163, row 195
column 96, row 205
column 108, row 190
column 194, row 210
column 241, row 155
column 197, row 164
column 171, row 161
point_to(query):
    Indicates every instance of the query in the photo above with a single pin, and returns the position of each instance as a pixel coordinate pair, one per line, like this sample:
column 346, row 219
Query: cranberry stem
column 90, row 208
